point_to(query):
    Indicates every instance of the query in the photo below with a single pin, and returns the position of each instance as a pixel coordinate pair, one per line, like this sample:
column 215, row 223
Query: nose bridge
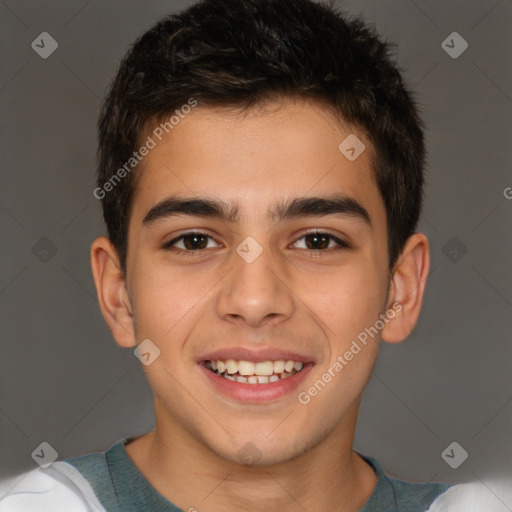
column 254, row 291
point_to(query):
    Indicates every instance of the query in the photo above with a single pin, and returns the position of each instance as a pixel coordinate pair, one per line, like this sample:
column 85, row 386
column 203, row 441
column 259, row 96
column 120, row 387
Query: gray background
column 62, row 377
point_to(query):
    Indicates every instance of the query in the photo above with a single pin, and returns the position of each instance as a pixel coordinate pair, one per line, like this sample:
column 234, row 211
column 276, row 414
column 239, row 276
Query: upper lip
column 250, row 354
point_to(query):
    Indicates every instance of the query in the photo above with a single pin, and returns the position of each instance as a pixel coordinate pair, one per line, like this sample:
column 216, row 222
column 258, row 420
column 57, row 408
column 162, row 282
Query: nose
column 255, row 293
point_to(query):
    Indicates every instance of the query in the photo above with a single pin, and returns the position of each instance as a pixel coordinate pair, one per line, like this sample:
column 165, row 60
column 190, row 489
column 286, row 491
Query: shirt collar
column 134, row 491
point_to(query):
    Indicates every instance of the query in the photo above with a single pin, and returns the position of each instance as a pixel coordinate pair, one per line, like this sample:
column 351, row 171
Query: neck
column 192, row 476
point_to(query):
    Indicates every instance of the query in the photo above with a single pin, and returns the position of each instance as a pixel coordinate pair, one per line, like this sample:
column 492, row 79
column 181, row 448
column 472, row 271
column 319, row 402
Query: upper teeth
column 247, row 368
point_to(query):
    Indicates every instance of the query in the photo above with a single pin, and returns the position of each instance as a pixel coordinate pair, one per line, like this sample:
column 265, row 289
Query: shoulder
column 396, row 495
column 442, row 497
column 72, row 484
column 59, row 488
column 470, row 497
column 416, row 497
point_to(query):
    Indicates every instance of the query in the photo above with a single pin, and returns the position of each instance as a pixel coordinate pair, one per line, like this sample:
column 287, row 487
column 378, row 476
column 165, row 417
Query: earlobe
column 111, row 289
column 407, row 288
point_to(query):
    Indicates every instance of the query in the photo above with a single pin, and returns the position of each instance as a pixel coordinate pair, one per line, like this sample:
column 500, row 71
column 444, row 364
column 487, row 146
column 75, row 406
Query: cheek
column 346, row 300
column 165, row 301
column 349, row 307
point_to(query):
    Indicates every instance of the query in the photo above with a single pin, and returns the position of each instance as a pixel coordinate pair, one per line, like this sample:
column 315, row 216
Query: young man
column 260, row 173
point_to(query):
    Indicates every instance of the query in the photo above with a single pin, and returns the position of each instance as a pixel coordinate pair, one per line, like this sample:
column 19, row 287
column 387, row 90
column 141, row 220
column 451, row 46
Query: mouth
column 255, row 377
column 250, row 372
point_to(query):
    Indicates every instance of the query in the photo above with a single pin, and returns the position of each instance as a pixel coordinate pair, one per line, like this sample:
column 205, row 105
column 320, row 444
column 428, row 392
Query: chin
column 251, row 452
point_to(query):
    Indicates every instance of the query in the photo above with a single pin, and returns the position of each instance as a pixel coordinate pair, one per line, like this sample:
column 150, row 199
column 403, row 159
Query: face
column 257, row 297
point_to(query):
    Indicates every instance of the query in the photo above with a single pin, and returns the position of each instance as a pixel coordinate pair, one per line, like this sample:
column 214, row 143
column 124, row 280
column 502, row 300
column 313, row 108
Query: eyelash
column 341, row 244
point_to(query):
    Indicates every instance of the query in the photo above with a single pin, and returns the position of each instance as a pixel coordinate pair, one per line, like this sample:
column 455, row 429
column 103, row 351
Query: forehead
column 256, row 158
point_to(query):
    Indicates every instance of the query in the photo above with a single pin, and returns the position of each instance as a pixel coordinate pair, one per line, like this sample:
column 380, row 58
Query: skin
column 292, row 297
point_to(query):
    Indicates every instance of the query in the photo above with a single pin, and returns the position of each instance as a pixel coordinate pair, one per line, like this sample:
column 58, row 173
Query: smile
column 248, row 372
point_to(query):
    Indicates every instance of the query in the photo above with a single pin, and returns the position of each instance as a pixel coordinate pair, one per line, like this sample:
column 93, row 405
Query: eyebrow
column 337, row 204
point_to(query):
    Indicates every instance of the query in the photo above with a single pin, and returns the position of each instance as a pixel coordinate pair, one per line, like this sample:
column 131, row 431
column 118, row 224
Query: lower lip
column 257, row 393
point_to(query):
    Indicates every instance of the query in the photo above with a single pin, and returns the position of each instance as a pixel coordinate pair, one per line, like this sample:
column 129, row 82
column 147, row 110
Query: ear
column 406, row 288
column 112, row 293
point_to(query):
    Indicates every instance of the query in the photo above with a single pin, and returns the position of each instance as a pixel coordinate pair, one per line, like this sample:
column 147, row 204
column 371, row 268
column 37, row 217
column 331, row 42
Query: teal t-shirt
column 121, row 487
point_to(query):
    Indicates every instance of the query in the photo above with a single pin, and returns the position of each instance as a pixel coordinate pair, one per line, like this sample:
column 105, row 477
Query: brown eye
column 190, row 242
column 193, row 242
column 317, row 241
column 320, row 241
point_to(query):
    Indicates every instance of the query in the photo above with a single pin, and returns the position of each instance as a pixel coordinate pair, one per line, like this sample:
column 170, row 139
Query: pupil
column 316, row 238
column 194, row 244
